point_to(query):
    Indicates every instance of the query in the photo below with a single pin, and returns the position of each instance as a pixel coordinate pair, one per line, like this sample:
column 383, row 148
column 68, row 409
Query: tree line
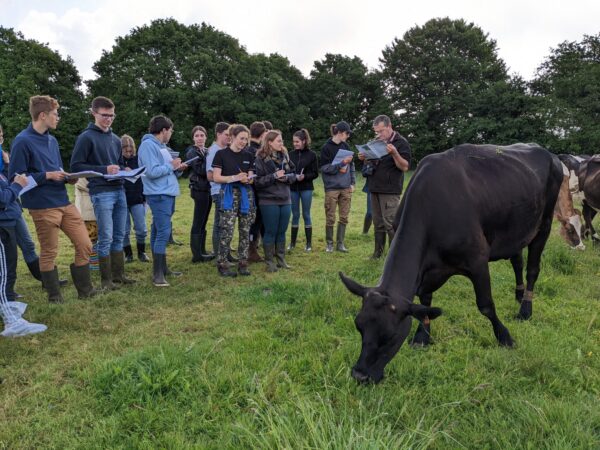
column 443, row 84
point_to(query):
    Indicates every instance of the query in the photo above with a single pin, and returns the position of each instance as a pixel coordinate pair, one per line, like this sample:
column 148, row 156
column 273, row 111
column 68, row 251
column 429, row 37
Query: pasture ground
column 264, row 361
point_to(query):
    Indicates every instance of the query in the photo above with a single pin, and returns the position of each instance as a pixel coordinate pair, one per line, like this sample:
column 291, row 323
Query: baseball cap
column 343, row 127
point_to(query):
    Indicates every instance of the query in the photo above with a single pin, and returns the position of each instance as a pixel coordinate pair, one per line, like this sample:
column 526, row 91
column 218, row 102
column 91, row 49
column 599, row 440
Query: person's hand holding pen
column 300, row 176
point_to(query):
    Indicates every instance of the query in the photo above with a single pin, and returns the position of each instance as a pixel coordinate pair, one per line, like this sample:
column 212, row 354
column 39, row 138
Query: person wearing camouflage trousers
column 233, row 168
column 245, row 221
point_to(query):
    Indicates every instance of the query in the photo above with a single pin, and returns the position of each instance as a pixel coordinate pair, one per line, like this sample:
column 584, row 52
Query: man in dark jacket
column 35, row 152
column 99, row 149
column 385, row 180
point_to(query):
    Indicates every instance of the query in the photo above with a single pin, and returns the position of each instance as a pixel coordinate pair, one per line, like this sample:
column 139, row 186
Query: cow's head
column 571, row 229
column 384, row 325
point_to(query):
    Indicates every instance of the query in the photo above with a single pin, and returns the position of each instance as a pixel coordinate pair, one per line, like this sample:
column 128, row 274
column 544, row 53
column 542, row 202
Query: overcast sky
column 304, row 31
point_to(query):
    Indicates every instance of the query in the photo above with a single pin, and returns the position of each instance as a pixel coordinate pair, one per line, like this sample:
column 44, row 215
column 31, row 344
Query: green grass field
column 264, row 361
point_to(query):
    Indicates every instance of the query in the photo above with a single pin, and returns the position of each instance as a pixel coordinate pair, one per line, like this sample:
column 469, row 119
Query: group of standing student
column 243, row 172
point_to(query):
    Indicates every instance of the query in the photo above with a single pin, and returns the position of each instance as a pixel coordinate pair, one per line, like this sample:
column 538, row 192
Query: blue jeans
column 304, row 197
column 275, row 220
column 110, row 209
column 138, row 213
column 162, row 211
column 24, row 240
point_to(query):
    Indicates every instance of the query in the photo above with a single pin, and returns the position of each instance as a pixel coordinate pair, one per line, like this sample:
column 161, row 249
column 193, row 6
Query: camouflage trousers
column 227, row 225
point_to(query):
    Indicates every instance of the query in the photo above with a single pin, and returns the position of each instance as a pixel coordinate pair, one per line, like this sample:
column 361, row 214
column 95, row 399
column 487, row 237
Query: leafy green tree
column 568, row 86
column 195, row 75
column 29, row 68
column 450, row 87
column 342, row 88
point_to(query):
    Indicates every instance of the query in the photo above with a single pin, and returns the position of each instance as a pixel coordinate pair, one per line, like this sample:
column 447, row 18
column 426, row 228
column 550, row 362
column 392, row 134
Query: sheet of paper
column 341, row 155
column 84, row 174
column 31, row 183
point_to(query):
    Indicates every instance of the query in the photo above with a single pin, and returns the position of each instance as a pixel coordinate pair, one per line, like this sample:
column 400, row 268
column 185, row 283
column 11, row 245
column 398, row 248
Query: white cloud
column 305, row 31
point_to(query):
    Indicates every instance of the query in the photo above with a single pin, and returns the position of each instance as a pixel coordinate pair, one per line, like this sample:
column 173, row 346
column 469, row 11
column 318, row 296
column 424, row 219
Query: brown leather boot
column 253, row 255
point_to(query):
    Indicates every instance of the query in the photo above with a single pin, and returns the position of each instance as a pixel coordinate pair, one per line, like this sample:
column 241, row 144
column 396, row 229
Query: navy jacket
column 10, row 210
column 35, row 154
column 95, row 150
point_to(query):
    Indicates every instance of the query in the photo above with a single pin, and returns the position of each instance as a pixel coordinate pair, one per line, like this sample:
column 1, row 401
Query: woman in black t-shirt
column 200, row 192
column 233, row 167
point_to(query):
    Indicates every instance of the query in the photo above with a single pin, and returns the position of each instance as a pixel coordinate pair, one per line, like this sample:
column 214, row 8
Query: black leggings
column 202, row 206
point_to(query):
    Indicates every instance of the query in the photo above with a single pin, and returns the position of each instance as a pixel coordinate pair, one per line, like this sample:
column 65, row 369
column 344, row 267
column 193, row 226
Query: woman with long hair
column 200, row 192
column 274, row 174
column 233, row 167
column 136, row 204
column 307, row 169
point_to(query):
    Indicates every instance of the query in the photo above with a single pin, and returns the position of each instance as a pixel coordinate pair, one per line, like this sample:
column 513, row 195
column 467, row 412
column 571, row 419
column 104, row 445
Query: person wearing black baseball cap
column 339, row 181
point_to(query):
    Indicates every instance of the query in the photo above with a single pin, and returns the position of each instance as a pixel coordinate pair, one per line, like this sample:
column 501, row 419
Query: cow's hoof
column 420, row 340
column 525, row 312
column 505, row 340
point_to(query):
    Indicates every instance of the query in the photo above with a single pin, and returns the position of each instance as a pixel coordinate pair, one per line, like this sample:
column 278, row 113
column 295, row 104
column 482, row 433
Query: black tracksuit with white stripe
column 10, row 211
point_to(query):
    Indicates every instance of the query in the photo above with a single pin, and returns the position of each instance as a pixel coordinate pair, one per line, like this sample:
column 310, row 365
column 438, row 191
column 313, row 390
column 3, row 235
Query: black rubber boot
column 128, row 253
column 341, row 235
column 206, row 256
column 294, row 237
column 158, row 270
column 106, row 278
column 82, row 281
column 367, row 224
column 329, row 238
column 117, row 267
column 269, row 250
column 280, row 255
column 141, row 252
column 34, row 269
column 169, row 271
column 195, row 247
column 308, row 232
column 172, row 240
column 379, row 244
column 52, row 286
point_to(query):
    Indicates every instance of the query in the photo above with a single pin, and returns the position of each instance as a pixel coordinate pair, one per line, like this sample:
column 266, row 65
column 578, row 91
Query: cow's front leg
column 480, row 278
column 422, row 337
column 588, row 217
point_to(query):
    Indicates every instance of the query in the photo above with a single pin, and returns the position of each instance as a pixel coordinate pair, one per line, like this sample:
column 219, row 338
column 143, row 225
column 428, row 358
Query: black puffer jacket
column 197, row 170
column 306, row 163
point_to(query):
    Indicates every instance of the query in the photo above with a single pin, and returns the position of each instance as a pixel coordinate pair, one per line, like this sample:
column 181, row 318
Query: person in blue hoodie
column 99, row 149
column 10, row 212
column 160, row 189
column 35, row 152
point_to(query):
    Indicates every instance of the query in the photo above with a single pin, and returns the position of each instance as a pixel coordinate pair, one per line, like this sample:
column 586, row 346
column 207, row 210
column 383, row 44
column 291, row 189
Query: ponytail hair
column 304, row 136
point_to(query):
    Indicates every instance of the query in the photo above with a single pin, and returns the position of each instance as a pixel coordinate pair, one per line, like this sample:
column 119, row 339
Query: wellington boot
column 280, row 255
column 270, row 257
column 117, row 266
column 308, row 232
column 379, row 244
column 294, row 237
column 52, row 286
column 106, row 278
column 158, row 270
column 329, row 238
column 253, row 255
column 141, row 252
column 82, row 281
column 340, row 237
column 128, row 253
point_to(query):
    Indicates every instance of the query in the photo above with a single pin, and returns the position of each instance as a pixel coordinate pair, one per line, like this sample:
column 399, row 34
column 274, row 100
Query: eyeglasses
column 105, row 115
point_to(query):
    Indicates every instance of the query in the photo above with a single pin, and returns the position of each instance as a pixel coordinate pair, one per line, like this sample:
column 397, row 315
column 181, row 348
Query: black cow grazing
column 588, row 174
column 462, row 208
